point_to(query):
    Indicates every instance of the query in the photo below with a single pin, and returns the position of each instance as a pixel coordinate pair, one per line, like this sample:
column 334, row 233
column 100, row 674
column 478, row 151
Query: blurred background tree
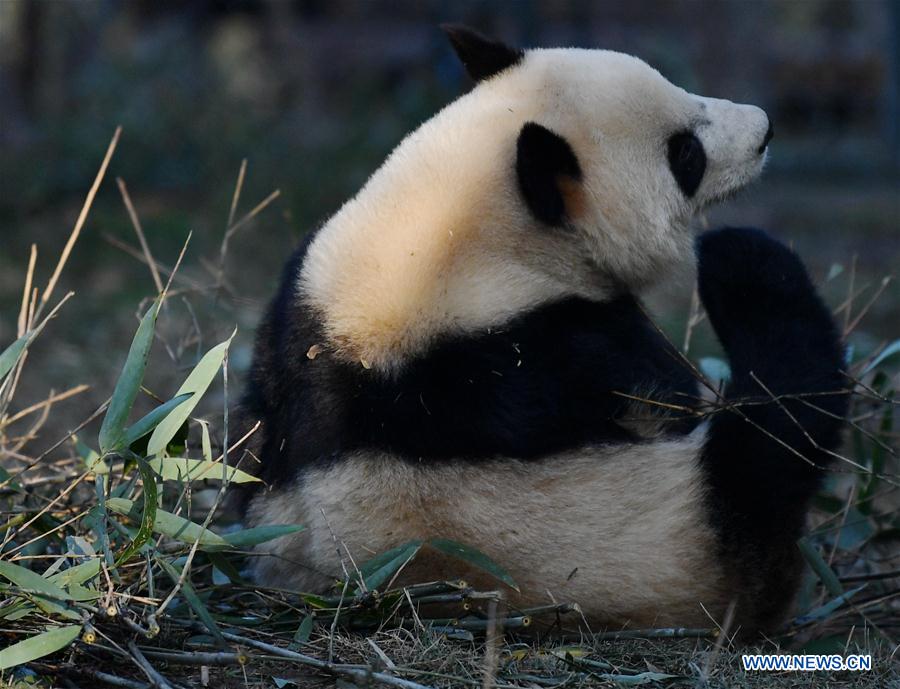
column 315, row 93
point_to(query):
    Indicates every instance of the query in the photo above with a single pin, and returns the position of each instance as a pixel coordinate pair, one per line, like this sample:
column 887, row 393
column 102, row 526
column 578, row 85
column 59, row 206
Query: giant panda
column 461, row 352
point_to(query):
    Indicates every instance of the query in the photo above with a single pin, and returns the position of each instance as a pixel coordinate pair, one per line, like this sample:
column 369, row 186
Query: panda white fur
column 446, row 354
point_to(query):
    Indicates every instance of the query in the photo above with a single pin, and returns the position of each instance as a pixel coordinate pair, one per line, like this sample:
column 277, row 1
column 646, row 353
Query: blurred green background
column 314, row 94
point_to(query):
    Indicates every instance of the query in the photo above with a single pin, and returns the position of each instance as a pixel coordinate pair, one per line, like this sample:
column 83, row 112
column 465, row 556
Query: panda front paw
column 753, row 286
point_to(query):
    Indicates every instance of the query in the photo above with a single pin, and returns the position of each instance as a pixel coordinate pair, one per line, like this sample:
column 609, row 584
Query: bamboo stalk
column 139, row 231
column 22, row 325
column 355, row 673
column 434, row 587
column 444, row 597
column 113, row 680
column 79, row 223
column 670, row 633
column 156, row 679
column 197, row 657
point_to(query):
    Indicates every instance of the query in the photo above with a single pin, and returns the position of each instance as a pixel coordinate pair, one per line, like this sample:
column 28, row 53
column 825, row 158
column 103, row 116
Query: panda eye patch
column 687, row 160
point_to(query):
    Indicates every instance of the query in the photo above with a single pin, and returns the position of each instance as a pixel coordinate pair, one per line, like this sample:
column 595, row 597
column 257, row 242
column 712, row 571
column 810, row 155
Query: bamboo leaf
column 835, row 270
column 715, row 369
column 11, row 355
column 473, row 557
column 151, row 420
column 261, row 534
column 825, row 646
column 38, row 646
column 171, row 525
column 301, row 636
column 193, row 600
column 314, row 601
column 184, row 469
column 878, row 457
column 128, row 384
column 12, row 483
column 206, row 444
column 856, row 529
column 45, row 594
column 820, row 567
column 77, row 574
column 18, row 610
column 825, row 610
column 82, row 593
column 197, row 383
column 148, row 512
column 886, row 353
column 90, row 457
column 382, row 567
column 26, row 579
column 223, row 565
column 634, row 680
column 46, row 606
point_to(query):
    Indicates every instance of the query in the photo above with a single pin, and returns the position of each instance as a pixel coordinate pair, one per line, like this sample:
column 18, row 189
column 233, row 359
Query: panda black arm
column 764, row 459
column 546, row 382
column 780, row 339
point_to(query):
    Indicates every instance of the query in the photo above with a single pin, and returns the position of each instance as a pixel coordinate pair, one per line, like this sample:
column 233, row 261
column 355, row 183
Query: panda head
column 563, row 172
column 613, row 151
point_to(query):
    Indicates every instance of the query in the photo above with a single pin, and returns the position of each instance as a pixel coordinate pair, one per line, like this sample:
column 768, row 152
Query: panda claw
column 753, row 286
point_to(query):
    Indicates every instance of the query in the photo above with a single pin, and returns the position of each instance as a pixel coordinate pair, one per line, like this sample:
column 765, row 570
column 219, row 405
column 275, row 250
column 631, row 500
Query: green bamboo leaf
column 301, row 636
column 151, row 420
column 97, row 520
column 835, row 270
column 260, row 534
column 171, row 525
column 11, row 355
column 634, row 680
column 473, row 557
column 82, row 593
column 829, row 645
column 383, row 566
column 38, row 646
column 32, row 581
column 886, row 353
column 878, row 456
column 193, row 600
column 314, row 601
column 857, row 529
column 90, row 457
column 148, row 513
column 13, row 483
column 184, row 469
column 825, row 610
column 715, row 369
column 77, row 574
column 197, row 382
column 223, row 565
column 129, row 382
column 820, row 567
column 206, row 444
column 45, row 593
column 18, row 610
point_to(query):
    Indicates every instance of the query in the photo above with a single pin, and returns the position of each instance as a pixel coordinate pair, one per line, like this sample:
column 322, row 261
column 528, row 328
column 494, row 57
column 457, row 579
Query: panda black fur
column 456, row 351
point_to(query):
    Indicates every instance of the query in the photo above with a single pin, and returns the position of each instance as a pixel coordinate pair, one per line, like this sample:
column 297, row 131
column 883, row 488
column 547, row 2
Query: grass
column 121, row 559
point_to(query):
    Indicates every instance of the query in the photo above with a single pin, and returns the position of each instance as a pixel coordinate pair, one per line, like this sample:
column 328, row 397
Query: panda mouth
column 726, row 194
column 770, row 132
column 735, row 180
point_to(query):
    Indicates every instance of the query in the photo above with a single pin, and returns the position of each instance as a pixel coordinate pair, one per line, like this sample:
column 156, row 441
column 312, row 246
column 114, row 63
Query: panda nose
column 770, row 132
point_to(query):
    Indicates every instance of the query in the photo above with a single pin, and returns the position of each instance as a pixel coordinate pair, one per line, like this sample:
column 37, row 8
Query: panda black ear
column 482, row 57
column 548, row 173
